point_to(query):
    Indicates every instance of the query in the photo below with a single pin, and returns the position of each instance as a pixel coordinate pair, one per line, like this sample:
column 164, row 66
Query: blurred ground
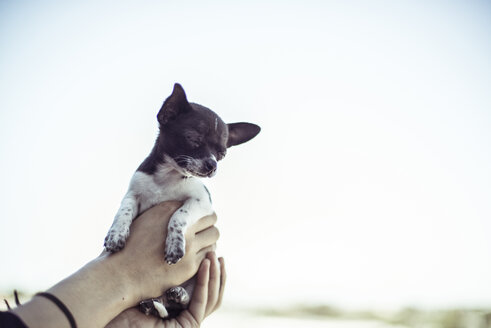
column 317, row 316
column 230, row 318
column 326, row 317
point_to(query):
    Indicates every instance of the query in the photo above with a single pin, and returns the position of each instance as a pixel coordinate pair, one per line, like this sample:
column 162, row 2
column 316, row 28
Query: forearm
column 108, row 285
column 90, row 296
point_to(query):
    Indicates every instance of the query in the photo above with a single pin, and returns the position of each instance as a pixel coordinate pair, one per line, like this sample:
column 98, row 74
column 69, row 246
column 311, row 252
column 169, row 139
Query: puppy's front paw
column 174, row 249
column 116, row 240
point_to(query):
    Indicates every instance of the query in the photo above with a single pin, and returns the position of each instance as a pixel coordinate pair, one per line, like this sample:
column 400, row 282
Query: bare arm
column 109, row 284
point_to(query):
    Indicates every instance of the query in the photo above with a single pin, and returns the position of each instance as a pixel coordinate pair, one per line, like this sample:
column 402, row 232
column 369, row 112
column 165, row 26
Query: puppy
column 192, row 139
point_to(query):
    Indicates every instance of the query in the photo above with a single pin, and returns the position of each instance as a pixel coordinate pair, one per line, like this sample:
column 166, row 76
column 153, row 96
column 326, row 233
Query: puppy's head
column 193, row 138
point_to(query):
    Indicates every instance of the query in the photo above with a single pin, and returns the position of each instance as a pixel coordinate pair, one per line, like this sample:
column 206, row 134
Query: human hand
column 106, row 286
column 207, row 297
column 143, row 256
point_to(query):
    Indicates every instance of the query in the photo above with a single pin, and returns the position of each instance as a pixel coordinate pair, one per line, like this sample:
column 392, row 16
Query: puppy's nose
column 210, row 165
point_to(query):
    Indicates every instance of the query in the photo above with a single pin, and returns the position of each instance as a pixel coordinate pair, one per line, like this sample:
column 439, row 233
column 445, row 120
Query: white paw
column 174, row 248
column 116, row 239
column 160, row 309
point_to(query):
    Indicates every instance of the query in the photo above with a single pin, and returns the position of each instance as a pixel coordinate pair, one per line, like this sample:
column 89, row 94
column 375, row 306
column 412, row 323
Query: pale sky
column 369, row 185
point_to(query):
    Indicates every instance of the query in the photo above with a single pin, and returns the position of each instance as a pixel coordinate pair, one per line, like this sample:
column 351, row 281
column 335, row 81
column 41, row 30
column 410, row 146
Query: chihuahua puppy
column 192, row 139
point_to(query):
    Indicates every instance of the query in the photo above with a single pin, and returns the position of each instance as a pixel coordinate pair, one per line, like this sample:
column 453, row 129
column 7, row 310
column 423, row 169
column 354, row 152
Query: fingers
column 213, row 284
column 197, row 307
column 202, row 252
column 205, row 238
column 204, row 223
column 223, row 280
column 209, row 289
column 208, row 292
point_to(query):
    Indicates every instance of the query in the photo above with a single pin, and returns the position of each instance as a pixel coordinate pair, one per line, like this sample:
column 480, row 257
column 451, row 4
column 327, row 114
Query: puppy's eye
column 193, row 139
column 194, row 143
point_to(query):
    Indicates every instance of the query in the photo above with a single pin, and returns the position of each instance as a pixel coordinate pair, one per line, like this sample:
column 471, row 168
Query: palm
column 207, row 297
column 133, row 318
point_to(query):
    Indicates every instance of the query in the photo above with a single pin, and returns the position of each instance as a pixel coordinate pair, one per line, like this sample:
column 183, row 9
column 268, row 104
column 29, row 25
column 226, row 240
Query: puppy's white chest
column 150, row 190
column 147, row 190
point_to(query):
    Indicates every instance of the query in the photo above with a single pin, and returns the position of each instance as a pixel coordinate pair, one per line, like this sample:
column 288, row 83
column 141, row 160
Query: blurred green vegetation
column 406, row 317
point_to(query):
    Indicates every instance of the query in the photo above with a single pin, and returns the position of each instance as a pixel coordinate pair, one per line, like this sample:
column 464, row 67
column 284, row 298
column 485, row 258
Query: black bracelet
column 61, row 306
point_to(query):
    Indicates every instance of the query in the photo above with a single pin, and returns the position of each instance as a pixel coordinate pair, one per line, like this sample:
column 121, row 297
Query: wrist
column 118, row 282
column 129, row 282
column 96, row 293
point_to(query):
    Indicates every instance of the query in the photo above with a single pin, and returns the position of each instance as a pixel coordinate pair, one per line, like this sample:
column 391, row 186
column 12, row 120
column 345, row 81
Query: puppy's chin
column 182, row 170
column 191, row 172
column 201, row 174
column 190, row 168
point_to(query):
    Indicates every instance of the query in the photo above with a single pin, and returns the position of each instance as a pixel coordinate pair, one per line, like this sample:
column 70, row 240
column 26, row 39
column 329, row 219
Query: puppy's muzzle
column 210, row 167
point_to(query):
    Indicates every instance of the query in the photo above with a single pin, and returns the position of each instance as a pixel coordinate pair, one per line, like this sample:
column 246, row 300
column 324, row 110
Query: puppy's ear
column 241, row 132
column 175, row 104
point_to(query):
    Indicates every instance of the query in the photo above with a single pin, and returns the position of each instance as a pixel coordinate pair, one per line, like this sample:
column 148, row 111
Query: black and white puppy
column 191, row 141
